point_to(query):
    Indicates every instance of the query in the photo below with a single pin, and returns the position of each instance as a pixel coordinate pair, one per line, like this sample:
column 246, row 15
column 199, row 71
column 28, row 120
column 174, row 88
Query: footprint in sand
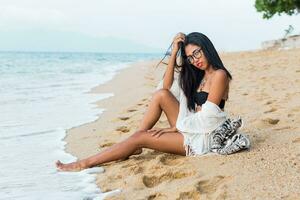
column 124, row 118
column 131, row 110
column 269, row 102
column 123, row 129
column 157, row 196
column 282, row 128
column 259, row 139
column 170, row 159
column 106, row 144
column 211, row 187
column 297, row 140
column 195, row 195
column 271, row 121
column 271, row 110
column 296, row 109
column 208, row 189
column 152, row 181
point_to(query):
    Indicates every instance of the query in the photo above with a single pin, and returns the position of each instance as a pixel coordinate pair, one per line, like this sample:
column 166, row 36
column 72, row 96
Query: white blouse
column 196, row 126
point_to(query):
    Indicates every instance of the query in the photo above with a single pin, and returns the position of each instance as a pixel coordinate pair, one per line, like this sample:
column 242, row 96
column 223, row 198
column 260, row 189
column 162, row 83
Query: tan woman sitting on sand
column 198, row 123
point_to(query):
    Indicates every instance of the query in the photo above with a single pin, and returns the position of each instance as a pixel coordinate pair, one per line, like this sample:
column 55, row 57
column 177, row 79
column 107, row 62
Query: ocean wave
column 28, row 134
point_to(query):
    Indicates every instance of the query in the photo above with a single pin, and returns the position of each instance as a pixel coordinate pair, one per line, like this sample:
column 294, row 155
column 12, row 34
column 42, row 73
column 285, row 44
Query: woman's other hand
column 159, row 131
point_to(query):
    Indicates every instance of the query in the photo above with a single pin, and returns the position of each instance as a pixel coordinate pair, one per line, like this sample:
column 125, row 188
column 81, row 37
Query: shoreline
column 265, row 100
column 114, row 86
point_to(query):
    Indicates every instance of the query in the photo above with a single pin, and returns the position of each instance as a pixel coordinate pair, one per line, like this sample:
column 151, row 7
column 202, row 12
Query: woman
column 198, row 111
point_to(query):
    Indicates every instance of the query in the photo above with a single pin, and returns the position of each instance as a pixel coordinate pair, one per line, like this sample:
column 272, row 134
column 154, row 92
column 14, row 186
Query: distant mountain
column 68, row 41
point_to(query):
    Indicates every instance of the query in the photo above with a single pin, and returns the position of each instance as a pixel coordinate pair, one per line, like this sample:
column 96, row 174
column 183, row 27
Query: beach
column 265, row 92
column 39, row 91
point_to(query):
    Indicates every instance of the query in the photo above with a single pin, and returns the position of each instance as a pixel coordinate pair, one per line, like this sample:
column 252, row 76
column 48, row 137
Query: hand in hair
column 180, row 37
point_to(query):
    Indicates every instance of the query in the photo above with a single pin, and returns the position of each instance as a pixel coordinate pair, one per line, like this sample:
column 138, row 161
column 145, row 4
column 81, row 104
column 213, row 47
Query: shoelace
column 238, row 142
column 224, row 132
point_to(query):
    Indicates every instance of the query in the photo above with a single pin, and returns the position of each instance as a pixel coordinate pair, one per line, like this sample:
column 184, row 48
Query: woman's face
column 195, row 56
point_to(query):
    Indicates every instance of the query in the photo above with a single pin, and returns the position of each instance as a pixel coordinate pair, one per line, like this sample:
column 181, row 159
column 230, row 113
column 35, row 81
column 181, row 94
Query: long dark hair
column 190, row 76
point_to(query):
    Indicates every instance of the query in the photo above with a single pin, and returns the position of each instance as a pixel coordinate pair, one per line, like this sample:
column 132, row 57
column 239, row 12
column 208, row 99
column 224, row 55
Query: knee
column 138, row 138
column 161, row 94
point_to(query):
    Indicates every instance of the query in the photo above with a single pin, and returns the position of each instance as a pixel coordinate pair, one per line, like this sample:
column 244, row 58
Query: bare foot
column 73, row 167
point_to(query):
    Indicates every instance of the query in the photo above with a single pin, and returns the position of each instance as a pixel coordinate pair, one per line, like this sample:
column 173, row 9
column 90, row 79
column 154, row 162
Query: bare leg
column 168, row 142
column 162, row 100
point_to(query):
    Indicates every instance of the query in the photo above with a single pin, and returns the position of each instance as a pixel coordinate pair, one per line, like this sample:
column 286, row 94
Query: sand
column 265, row 91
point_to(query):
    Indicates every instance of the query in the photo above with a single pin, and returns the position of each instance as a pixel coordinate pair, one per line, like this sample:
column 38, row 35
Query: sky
column 134, row 25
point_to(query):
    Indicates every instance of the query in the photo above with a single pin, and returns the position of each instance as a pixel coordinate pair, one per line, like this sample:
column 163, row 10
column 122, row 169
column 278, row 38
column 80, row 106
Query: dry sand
column 265, row 91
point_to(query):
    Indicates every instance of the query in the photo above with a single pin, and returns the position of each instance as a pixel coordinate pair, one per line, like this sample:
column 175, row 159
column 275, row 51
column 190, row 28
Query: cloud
column 232, row 25
column 15, row 17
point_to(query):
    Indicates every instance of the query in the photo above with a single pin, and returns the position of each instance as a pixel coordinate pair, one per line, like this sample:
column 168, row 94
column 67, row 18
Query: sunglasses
column 197, row 53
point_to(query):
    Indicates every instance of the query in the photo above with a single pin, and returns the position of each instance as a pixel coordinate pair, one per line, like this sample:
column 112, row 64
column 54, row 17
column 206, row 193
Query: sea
column 42, row 94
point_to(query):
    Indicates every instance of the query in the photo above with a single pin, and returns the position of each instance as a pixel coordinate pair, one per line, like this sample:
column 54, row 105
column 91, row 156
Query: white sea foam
column 93, row 170
column 43, row 95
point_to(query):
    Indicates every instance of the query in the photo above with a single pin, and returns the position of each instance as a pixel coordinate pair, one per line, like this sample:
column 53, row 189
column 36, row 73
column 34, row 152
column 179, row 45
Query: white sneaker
column 236, row 143
column 224, row 132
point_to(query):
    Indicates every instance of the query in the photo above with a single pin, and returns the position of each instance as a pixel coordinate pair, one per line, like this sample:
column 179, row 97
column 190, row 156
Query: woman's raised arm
column 169, row 74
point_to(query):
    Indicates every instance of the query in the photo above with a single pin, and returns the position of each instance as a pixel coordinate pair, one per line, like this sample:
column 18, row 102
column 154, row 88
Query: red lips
column 199, row 64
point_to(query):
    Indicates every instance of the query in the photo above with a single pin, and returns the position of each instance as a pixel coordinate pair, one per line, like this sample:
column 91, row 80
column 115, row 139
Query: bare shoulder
column 218, row 87
column 220, row 75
